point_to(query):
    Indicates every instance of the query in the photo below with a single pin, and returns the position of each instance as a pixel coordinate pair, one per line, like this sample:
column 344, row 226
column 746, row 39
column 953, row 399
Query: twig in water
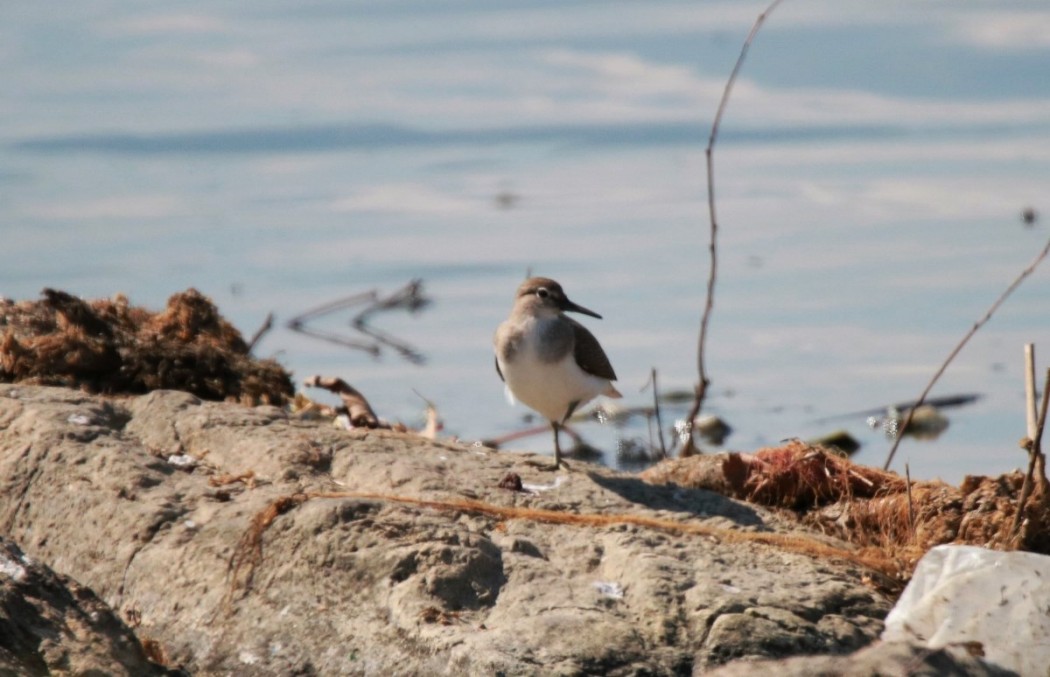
column 267, row 325
column 410, row 297
column 973, row 330
column 332, row 306
column 1029, row 390
column 298, row 323
column 688, row 447
column 498, row 442
column 659, row 421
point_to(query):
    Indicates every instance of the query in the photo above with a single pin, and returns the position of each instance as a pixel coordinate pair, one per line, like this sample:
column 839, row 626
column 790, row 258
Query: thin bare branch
column 1035, row 453
column 701, row 386
column 659, row 420
column 973, row 330
column 267, row 325
column 1029, row 390
column 410, row 298
column 332, row 306
column 911, row 506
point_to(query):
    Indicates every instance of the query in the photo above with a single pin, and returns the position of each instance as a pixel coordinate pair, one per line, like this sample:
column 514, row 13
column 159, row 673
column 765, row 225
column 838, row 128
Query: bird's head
column 544, row 296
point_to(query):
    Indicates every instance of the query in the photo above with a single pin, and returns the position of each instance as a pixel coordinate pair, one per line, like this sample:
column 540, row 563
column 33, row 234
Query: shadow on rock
column 698, row 502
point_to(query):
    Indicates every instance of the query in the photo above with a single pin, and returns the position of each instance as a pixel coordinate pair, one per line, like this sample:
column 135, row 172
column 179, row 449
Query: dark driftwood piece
column 358, row 408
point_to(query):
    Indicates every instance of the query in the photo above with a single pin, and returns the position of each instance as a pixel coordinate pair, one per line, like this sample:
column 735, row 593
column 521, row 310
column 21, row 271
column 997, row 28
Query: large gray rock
column 384, row 553
column 51, row 625
column 881, row 658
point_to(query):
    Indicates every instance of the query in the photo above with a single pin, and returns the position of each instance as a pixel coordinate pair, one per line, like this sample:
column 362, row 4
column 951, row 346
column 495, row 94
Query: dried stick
column 338, row 339
column 911, row 506
column 973, row 330
column 267, row 325
column 358, row 409
column 433, row 423
column 298, row 323
column 332, row 306
column 1029, row 389
column 497, row 442
column 659, row 421
column 701, row 387
column 410, row 297
column 1035, row 452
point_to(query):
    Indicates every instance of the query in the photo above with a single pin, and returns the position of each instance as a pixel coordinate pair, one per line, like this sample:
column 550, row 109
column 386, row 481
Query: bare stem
column 701, row 386
column 1035, row 452
column 659, row 421
column 973, row 330
column 267, row 325
column 911, row 506
column 1029, row 390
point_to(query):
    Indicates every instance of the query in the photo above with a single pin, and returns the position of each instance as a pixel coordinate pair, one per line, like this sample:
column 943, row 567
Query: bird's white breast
column 545, row 386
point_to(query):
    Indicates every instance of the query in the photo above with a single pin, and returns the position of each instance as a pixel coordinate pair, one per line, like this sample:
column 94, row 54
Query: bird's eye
column 542, row 292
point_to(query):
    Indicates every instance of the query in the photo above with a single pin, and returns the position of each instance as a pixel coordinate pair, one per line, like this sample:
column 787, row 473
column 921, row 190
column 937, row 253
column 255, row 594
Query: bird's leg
column 557, row 449
column 557, row 427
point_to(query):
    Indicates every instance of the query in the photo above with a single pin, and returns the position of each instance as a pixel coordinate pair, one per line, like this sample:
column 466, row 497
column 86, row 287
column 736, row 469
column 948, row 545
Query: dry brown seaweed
column 868, row 507
column 111, row 347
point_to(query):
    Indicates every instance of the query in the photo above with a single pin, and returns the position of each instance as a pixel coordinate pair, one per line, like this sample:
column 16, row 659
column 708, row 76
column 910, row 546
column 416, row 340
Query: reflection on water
column 871, row 173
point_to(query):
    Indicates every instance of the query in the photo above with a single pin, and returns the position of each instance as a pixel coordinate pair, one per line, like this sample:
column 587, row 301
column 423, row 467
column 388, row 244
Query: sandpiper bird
column 549, row 361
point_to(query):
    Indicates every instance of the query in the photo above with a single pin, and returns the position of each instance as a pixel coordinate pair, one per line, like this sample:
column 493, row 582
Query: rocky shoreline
column 215, row 538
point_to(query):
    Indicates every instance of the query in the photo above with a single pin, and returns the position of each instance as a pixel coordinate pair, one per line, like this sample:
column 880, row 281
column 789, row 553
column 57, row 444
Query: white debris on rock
column 609, row 589
column 963, row 593
column 184, row 461
column 11, row 568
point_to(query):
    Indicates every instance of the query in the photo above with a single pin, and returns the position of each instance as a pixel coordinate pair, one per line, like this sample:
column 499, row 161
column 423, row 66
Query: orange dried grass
column 868, row 507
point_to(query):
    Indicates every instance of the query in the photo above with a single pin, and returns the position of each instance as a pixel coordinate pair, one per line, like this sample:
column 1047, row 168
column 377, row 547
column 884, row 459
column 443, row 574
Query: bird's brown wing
column 498, row 371
column 589, row 353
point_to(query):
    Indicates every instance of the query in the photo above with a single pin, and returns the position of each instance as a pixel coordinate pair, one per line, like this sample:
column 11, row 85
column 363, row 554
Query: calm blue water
column 873, row 165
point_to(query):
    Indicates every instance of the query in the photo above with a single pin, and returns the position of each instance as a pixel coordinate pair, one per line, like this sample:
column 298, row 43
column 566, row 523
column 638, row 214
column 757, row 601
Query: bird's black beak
column 573, row 308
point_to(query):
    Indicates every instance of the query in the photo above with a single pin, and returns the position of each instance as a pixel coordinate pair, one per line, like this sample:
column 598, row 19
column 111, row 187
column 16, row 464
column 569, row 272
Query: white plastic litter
column 184, row 461
column 962, row 593
column 540, row 488
column 11, row 568
column 609, row 589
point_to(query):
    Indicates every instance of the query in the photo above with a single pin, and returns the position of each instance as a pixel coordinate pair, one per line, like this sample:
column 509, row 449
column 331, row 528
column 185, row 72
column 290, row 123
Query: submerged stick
column 958, row 348
column 701, row 387
column 410, row 298
column 267, row 325
column 1029, row 389
column 656, row 411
